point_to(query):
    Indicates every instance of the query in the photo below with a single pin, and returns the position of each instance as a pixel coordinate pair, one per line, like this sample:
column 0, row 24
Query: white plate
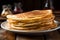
column 3, row 25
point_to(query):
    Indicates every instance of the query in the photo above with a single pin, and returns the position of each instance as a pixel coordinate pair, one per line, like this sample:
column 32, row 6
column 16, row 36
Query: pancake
column 36, row 14
column 44, row 21
column 36, row 19
column 36, row 27
column 29, row 21
column 31, row 24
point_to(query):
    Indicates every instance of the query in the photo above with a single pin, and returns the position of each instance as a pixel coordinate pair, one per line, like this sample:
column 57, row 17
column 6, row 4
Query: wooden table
column 6, row 35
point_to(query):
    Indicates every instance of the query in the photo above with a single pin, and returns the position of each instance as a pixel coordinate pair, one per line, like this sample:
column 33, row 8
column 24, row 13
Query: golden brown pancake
column 36, row 27
column 36, row 19
column 36, row 14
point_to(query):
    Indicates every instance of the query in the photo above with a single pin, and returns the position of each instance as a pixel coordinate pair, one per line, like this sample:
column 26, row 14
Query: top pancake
column 35, row 14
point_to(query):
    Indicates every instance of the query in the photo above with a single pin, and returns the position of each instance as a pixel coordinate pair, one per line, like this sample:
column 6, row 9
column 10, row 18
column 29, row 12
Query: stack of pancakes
column 32, row 20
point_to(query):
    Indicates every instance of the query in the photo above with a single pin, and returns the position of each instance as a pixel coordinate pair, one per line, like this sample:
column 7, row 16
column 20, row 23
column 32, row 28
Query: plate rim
column 31, row 31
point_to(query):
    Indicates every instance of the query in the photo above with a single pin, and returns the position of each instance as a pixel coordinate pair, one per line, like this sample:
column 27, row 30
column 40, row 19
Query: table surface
column 6, row 35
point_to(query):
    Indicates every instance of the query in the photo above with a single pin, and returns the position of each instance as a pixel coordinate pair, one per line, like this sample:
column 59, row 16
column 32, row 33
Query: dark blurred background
column 29, row 5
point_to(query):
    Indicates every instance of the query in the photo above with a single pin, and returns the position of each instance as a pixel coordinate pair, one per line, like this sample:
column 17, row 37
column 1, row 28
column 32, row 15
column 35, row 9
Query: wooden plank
column 53, row 36
column 5, row 35
column 19, row 37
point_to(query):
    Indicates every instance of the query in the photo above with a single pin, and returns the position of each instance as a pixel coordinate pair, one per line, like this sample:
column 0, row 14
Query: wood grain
column 5, row 35
column 29, row 37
